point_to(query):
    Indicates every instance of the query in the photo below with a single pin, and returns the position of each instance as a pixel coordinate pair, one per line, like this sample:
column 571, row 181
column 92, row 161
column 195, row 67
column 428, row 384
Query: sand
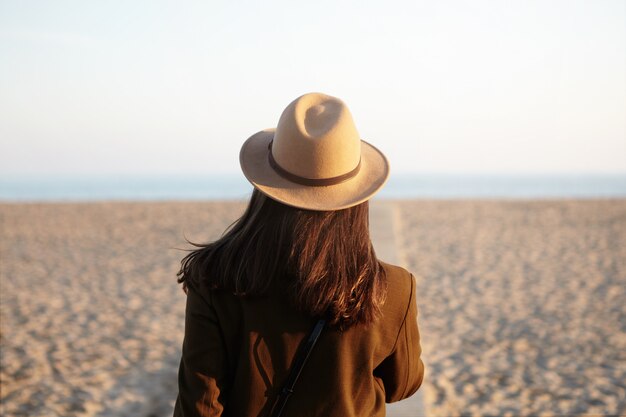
column 91, row 315
column 522, row 304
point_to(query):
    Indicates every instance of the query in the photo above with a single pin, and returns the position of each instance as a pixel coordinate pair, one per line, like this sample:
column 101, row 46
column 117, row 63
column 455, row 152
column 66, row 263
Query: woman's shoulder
column 397, row 276
column 400, row 289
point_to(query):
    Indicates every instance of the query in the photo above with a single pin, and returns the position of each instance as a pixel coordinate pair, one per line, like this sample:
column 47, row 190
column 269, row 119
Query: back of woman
column 301, row 252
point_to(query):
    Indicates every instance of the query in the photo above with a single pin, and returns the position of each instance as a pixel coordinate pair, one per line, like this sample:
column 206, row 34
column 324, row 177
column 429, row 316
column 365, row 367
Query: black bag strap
column 296, row 368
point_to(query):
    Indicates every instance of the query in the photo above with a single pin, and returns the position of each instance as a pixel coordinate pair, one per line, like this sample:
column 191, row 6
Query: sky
column 175, row 88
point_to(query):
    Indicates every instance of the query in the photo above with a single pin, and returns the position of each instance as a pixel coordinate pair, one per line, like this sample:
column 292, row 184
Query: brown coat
column 237, row 352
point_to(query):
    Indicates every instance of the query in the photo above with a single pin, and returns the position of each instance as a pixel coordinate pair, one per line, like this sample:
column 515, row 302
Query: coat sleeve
column 402, row 371
column 202, row 371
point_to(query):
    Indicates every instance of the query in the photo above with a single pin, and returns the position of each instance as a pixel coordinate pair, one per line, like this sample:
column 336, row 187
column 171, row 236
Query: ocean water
column 442, row 186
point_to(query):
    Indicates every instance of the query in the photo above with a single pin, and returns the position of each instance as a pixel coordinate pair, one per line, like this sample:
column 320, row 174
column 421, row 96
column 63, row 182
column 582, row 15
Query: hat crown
column 316, row 138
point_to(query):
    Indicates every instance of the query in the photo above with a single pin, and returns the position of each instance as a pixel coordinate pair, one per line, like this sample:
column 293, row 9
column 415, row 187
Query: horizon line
column 4, row 177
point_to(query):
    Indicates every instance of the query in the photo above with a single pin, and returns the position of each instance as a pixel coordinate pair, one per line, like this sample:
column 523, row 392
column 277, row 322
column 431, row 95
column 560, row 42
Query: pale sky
column 156, row 87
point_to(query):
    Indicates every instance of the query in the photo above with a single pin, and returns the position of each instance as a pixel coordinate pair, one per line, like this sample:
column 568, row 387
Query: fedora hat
column 314, row 159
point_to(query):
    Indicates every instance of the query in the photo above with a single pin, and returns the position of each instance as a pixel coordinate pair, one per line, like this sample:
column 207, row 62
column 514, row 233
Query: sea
column 236, row 187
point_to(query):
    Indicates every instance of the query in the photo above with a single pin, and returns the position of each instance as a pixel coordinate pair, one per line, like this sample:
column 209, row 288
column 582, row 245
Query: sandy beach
column 522, row 304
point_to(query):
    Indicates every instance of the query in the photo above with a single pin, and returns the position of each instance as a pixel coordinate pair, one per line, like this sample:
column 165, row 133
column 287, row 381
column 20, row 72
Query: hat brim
column 372, row 175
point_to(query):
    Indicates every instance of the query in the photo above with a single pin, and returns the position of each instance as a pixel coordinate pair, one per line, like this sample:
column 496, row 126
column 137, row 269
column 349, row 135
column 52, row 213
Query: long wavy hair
column 323, row 260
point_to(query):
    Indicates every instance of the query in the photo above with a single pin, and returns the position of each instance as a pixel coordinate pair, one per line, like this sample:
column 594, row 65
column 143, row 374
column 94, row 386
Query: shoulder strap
column 296, row 368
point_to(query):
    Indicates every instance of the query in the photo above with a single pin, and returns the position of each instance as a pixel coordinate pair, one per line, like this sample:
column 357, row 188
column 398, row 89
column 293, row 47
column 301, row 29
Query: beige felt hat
column 314, row 159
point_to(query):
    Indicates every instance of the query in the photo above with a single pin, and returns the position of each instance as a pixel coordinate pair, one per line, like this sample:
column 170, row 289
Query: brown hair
column 323, row 259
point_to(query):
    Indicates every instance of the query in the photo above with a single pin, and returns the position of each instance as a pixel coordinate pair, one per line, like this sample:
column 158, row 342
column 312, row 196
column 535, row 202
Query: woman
column 300, row 252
